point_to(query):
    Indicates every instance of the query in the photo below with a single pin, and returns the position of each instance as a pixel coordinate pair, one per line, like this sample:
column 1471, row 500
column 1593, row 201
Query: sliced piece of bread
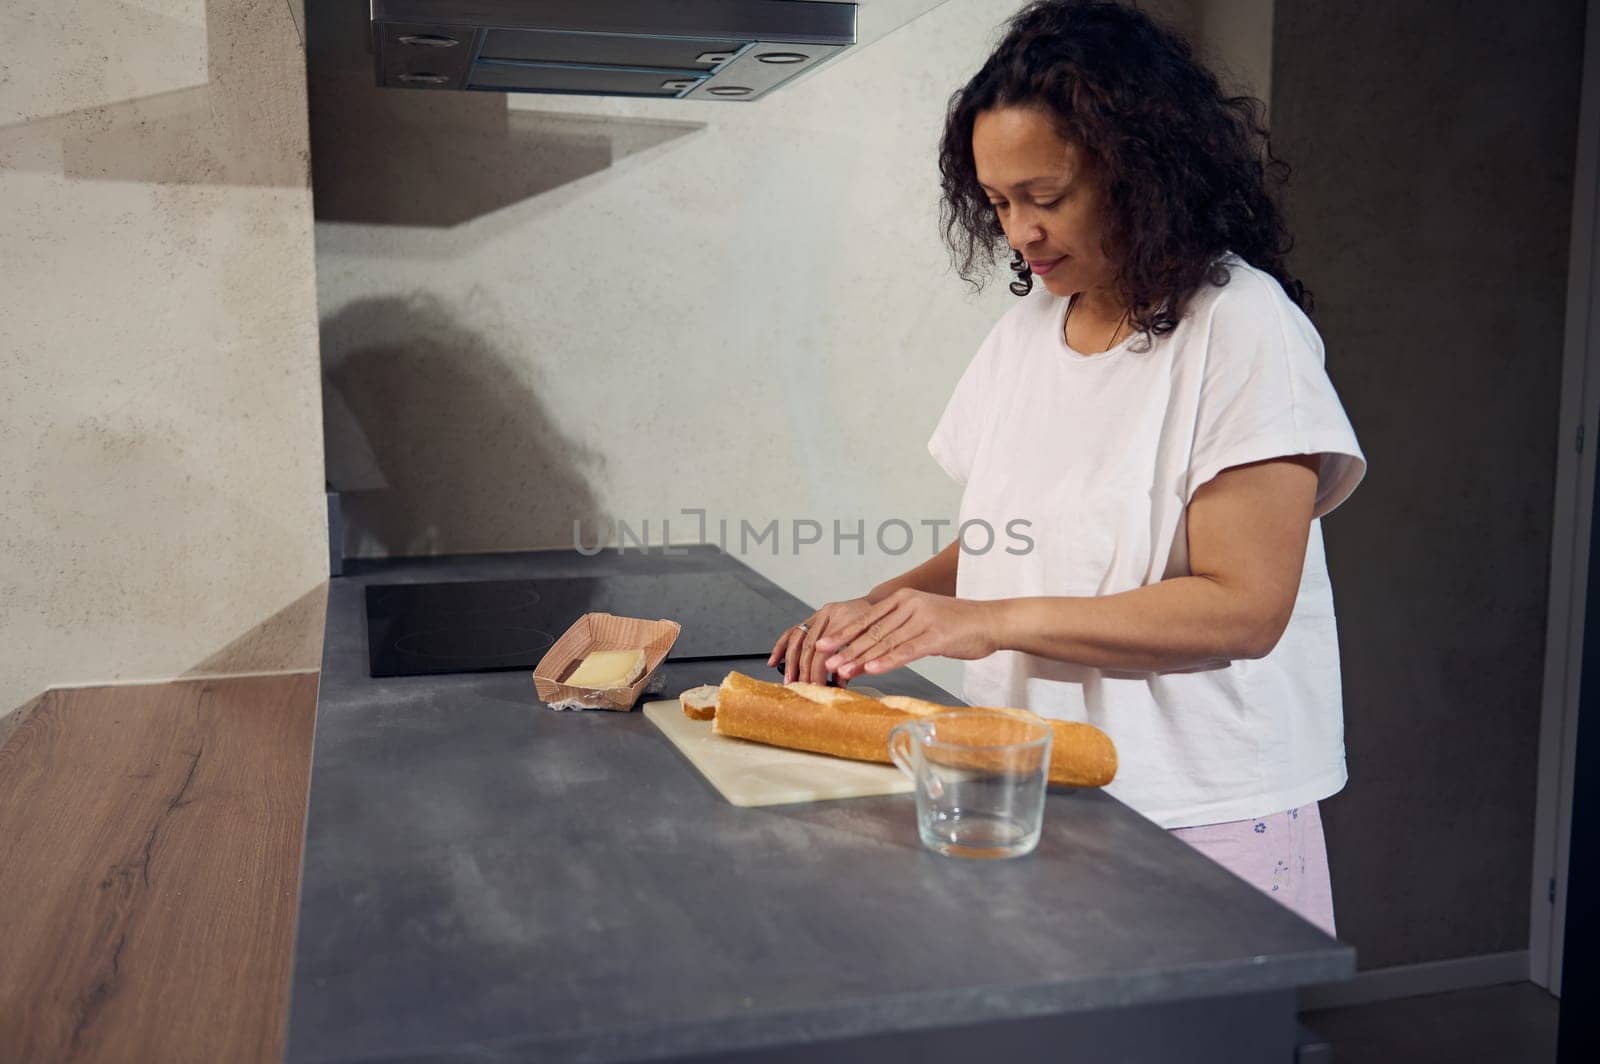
column 700, row 703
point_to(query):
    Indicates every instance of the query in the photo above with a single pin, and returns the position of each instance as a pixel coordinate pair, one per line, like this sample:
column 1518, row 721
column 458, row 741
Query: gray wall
column 1433, row 146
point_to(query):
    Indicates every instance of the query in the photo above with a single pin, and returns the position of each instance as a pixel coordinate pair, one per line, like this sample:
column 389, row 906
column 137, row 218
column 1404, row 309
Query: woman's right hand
column 797, row 650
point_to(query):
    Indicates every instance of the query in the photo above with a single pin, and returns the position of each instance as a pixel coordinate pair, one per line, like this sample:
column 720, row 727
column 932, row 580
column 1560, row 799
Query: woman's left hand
column 909, row 625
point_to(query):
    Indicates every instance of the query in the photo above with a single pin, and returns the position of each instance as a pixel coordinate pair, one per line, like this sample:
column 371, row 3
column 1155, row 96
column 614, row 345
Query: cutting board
column 751, row 774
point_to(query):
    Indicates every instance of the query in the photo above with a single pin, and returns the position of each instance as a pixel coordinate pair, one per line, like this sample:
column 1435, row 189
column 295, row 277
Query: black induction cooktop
column 491, row 625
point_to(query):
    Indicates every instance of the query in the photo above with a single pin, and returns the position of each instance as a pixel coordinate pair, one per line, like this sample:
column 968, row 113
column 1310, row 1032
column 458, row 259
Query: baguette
column 855, row 727
column 845, row 723
column 1077, row 751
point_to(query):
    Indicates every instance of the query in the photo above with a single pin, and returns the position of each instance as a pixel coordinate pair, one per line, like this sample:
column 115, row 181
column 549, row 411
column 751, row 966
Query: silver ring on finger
column 803, row 626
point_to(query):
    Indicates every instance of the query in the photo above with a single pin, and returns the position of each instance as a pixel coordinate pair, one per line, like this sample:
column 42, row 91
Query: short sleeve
column 954, row 443
column 1265, row 393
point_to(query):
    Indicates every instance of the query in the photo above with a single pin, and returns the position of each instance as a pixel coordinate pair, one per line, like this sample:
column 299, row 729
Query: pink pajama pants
column 1282, row 855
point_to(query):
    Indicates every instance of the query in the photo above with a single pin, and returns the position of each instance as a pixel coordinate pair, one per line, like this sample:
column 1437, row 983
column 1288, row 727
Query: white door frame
column 1579, row 439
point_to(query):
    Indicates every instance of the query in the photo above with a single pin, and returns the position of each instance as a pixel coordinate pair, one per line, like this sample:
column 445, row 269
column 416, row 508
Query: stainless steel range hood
column 670, row 49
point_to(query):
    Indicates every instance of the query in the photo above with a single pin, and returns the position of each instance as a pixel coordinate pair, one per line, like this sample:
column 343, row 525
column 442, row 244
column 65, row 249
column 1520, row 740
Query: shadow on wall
column 396, row 156
column 433, row 158
column 223, row 132
column 437, row 440
column 290, row 640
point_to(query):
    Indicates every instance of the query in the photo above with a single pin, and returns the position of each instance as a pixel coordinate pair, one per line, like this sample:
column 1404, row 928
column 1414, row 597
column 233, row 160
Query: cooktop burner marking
column 469, row 597
column 474, row 644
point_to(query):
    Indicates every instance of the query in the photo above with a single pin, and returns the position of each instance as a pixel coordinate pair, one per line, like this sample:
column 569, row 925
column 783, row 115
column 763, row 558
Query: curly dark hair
column 1184, row 167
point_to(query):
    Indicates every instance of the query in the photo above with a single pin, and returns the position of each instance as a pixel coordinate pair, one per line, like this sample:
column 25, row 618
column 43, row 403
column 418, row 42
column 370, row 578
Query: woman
column 1156, row 430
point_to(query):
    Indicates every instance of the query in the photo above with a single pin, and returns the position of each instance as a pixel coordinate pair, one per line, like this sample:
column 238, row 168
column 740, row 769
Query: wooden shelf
column 151, row 869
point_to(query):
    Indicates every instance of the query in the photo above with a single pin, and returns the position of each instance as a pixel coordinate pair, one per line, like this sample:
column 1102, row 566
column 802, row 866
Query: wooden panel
column 13, row 720
column 150, row 873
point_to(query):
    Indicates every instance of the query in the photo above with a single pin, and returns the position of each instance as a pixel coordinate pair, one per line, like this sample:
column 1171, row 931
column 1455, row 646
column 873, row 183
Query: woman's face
column 1046, row 196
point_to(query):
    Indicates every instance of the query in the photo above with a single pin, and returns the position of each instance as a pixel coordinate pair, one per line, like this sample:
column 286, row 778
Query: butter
column 608, row 668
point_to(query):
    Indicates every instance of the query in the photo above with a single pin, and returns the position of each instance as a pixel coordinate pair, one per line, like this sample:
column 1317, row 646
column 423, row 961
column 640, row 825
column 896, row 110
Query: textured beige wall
column 162, row 460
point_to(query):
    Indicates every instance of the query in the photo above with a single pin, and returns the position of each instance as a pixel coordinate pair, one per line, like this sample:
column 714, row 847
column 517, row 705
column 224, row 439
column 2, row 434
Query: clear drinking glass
column 980, row 780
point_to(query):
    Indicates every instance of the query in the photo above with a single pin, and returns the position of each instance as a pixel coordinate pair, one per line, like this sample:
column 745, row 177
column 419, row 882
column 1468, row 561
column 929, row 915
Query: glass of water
column 980, row 779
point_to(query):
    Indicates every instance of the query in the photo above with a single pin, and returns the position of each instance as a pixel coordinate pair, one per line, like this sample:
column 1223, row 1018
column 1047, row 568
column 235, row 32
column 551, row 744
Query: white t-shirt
column 1101, row 455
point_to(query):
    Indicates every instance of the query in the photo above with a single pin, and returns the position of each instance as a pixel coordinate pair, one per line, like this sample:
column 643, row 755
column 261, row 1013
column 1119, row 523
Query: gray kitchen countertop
column 486, row 878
